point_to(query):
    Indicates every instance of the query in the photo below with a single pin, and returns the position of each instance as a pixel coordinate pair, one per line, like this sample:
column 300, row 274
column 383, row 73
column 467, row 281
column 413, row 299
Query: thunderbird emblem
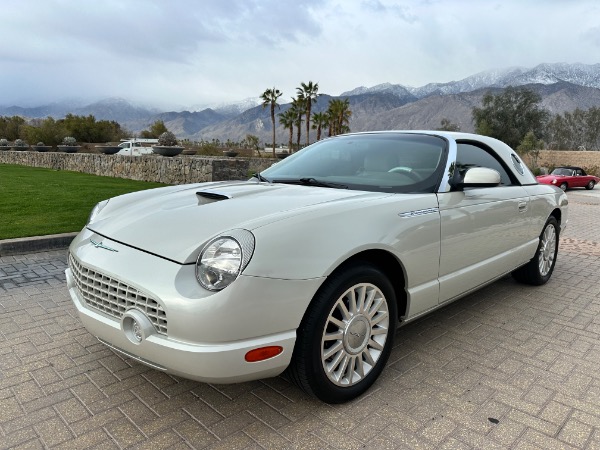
column 101, row 245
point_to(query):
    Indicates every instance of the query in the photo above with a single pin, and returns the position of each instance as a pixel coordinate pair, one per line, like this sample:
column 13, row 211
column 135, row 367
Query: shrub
column 20, row 143
column 40, row 144
column 167, row 139
column 69, row 141
column 4, row 143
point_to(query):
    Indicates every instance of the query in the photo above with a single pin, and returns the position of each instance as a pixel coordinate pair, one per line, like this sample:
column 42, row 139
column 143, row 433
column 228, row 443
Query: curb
column 9, row 247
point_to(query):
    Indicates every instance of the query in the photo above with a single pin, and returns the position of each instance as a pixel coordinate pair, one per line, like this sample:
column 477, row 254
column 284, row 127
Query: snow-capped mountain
column 469, row 84
column 386, row 88
column 231, row 108
column 577, row 74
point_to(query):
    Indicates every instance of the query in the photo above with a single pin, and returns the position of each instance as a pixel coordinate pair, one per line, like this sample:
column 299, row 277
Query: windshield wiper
column 310, row 181
column 258, row 176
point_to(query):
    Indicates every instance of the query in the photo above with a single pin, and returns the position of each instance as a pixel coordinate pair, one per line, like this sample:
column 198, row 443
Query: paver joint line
column 527, row 358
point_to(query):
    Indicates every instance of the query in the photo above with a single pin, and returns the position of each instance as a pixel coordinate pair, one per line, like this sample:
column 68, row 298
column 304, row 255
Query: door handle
column 522, row 206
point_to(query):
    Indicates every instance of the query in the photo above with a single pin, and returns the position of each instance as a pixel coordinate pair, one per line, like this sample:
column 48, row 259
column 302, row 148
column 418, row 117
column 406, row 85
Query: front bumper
column 208, row 333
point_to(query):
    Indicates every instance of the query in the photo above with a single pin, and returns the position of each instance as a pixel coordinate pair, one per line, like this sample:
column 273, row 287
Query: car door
column 579, row 180
column 482, row 228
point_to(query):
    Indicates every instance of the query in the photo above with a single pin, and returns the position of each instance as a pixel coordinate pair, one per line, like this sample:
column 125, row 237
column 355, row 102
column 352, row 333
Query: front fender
column 314, row 244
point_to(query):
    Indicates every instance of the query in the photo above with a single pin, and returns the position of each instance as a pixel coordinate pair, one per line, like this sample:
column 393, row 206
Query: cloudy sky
column 180, row 54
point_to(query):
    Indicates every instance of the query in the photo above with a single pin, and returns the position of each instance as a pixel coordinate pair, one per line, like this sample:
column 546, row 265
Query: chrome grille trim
column 113, row 297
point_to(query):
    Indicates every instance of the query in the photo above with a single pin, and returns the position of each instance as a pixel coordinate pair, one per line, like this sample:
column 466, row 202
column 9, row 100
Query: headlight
column 99, row 207
column 222, row 260
column 554, row 181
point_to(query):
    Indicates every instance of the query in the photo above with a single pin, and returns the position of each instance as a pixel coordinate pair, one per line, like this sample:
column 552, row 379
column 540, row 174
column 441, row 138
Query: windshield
column 562, row 171
column 385, row 162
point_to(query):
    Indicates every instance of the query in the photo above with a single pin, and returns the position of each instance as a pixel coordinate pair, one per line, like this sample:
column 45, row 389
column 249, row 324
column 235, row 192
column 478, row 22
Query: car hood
column 176, row 222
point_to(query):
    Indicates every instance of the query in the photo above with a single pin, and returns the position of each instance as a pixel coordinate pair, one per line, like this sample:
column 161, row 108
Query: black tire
column 358, row 342
column 564, row 186
column 590, row 185
column 539, row 270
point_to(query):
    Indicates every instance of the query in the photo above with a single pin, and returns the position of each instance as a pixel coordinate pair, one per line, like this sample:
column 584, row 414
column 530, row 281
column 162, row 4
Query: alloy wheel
column 547, row 250
column 355, row 334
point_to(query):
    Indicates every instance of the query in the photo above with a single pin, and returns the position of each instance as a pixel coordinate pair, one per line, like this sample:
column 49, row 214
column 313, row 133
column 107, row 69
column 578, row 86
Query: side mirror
column 477, row 177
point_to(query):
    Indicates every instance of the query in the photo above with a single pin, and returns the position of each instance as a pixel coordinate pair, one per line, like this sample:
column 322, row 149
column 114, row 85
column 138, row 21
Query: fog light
column 136, row 326
column 260, row 354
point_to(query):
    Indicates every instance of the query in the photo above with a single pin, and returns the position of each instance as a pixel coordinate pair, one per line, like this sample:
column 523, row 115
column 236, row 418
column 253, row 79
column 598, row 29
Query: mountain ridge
column 562, row 87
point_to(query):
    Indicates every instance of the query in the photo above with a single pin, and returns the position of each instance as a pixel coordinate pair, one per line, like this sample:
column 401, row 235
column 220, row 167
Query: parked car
column 311, row 265
column 137, row 147
column 568, row 177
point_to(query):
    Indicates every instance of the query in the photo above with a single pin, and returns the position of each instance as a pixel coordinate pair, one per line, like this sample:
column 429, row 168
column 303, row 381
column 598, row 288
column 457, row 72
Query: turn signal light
column 260, row 354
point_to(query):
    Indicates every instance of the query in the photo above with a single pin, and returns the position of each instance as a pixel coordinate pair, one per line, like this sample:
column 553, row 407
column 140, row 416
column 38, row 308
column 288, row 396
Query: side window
column 470, row 155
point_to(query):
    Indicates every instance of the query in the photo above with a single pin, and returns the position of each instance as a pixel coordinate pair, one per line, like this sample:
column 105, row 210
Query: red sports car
column 569, row 177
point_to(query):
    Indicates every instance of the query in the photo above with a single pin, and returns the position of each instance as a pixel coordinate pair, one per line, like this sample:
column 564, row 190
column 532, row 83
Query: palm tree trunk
column 273, row 123
column 308, row 107
column 298, row 137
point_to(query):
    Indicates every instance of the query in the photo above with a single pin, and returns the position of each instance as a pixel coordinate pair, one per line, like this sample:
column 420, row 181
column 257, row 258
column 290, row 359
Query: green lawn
column 36, row 201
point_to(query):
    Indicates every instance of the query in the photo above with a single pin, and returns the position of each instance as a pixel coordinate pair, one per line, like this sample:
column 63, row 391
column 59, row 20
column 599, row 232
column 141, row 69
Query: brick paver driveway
column 510, row 366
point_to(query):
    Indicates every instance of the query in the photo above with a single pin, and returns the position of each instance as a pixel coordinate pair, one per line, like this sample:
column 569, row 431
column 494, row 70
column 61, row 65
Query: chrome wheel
column 547, row 250
column 355, row 334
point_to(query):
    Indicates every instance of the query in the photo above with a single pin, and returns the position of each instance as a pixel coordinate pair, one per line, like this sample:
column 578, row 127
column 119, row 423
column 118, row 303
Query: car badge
column 101, row 245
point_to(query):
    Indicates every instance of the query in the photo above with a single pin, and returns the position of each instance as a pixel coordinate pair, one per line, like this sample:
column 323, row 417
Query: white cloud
column 185, row 52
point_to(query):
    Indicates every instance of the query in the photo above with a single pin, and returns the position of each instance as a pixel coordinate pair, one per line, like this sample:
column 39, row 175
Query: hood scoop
column 205, row 197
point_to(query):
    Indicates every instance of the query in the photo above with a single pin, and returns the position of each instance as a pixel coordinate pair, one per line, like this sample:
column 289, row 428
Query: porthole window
column 518, row 164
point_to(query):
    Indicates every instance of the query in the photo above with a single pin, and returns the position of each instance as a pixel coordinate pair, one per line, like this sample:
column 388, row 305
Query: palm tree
column 298, row 107
column 308, row 93
column 287, row 120
column 269, row 98
column 339, row 112
column 319, row 121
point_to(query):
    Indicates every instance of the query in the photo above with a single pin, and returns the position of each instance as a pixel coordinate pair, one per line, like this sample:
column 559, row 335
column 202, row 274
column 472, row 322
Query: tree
column 87, row 129
column 446, row 125
column 155, row 130
column 509, row 115
column 320, row 120
column 287, row 119
column 252, row 142
column 82, row 128
column 298, row 108
column 530, row 145
column 308, row 93
column 11, row 127
column 339, row 116
column 48, row 131
column 575, row 130
column 269, row 98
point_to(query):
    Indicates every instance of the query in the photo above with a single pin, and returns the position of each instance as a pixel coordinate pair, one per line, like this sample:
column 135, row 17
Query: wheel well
column 390, row 266
column 557, row 215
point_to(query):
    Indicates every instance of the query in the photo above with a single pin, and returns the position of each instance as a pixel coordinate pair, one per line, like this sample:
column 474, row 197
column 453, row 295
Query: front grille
column 113, row 297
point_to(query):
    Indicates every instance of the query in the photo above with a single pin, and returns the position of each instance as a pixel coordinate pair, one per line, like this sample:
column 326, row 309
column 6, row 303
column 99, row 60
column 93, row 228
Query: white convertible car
column 311, row 265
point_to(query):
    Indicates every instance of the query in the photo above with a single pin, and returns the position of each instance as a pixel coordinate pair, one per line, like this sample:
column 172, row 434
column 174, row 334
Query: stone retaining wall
column 554, row 158
column 197, row 169
column 169, row 170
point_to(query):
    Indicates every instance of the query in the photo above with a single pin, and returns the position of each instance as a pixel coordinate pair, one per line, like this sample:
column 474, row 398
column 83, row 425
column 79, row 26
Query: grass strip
column 36, row 201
